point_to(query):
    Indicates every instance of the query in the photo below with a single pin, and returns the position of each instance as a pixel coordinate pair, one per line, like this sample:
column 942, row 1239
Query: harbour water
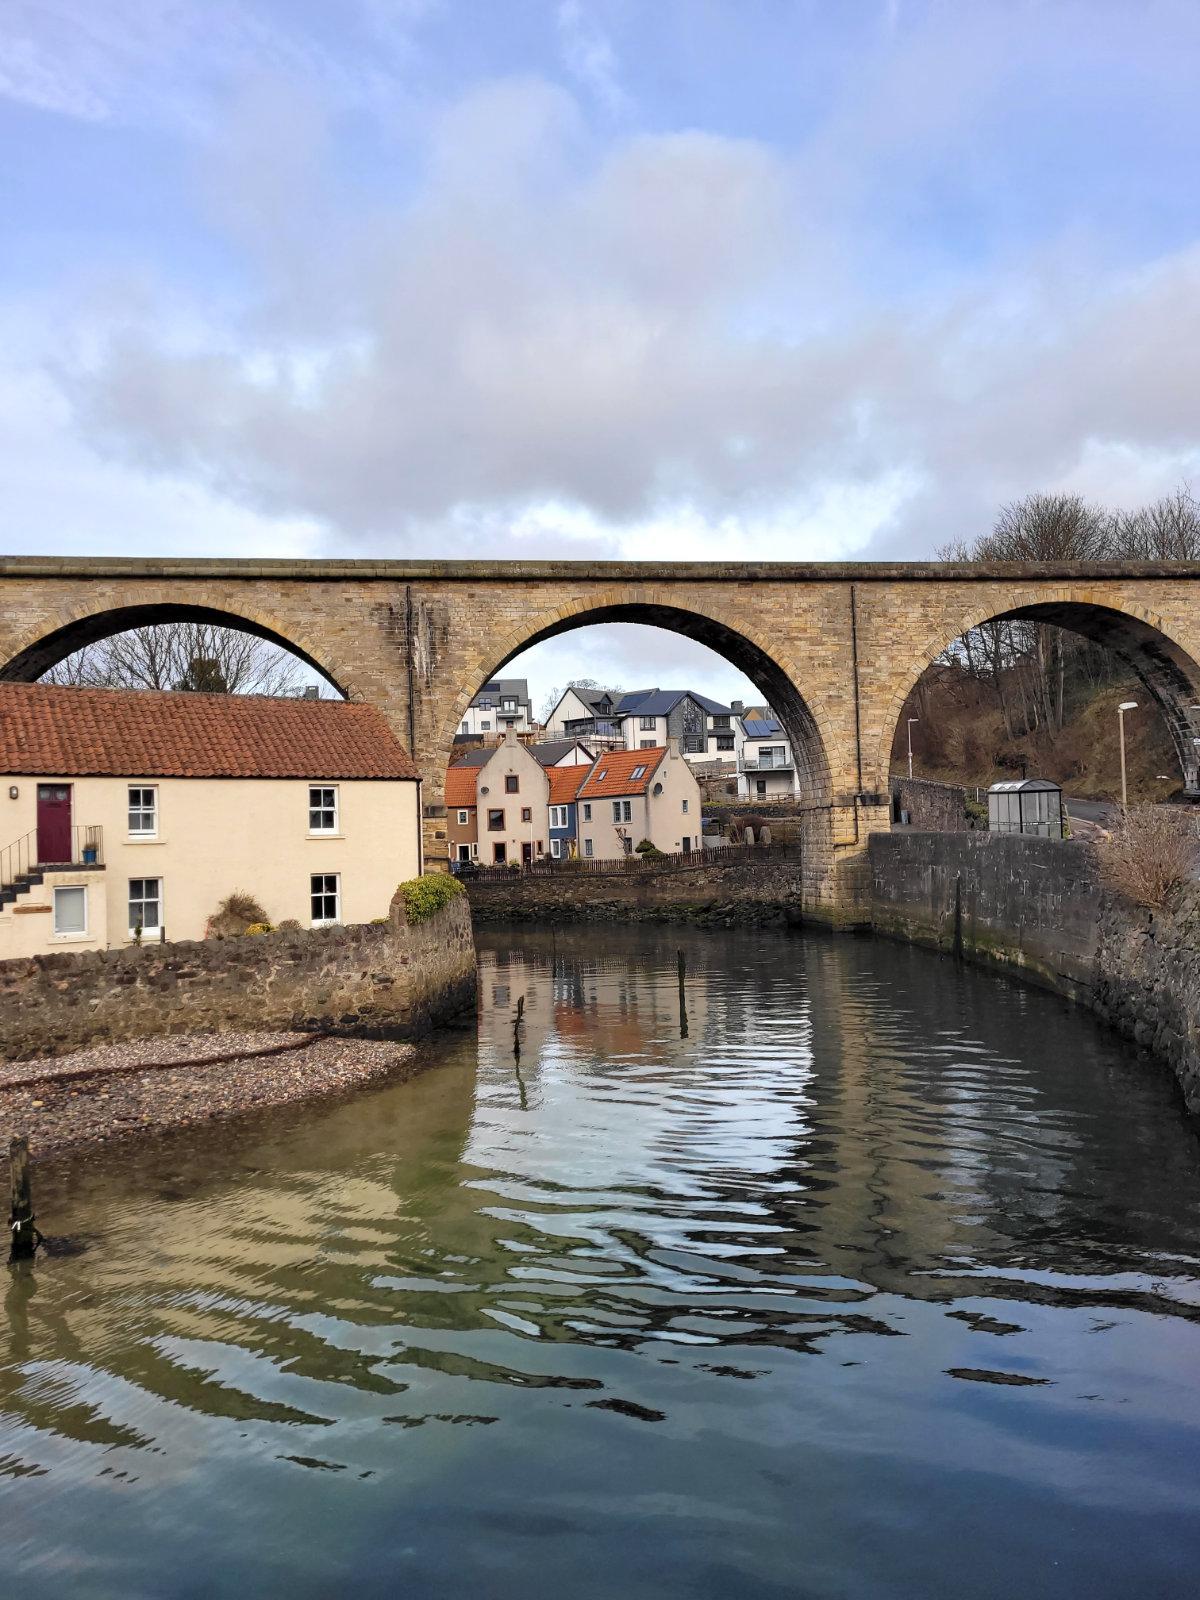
column 869, row 1275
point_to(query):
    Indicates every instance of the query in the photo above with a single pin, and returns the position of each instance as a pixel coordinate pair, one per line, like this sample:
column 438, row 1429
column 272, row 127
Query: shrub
column 424, row 897
column 290, row 925
column 260, row 927
column 236, row 914
column 648, row 850
column 1150, row 854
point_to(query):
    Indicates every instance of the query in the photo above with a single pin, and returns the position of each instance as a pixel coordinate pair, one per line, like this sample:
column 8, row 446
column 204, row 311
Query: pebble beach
column 123, row 1090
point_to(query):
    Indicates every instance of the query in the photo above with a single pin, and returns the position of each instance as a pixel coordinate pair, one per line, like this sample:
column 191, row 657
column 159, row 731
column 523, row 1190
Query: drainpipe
column 420, row 828
column 857, row 712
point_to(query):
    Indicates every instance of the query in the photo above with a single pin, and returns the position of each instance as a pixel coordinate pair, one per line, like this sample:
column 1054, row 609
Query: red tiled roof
column 461, row 785
column 613, row 773
column 565, row 783
column 49, row 731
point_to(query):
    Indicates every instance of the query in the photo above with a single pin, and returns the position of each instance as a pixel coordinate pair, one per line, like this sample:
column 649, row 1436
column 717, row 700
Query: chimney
column 312, row 691
column 738, row 707
column 510, row 736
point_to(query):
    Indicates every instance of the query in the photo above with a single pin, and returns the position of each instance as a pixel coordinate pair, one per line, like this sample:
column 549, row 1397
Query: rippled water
column 882, row 1281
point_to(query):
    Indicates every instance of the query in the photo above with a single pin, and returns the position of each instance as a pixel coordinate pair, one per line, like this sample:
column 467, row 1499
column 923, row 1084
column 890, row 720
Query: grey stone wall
column 371, row 978
column 772, row 892
column 940, row 807
column 1037, row 908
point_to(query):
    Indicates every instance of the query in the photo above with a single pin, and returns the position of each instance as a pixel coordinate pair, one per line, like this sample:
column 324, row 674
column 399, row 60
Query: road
column 1101, row 812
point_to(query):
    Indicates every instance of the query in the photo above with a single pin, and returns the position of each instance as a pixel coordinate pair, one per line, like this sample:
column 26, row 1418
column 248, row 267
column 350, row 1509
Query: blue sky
column 786, row 279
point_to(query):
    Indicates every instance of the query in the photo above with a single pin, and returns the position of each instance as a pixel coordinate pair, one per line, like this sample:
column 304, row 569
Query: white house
column 766, row 770
column 133, row 814
column 501, row 704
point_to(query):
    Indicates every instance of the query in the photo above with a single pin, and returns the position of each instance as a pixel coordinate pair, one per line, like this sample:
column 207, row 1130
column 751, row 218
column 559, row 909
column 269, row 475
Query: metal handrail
column 19, row 859
column 626, row 866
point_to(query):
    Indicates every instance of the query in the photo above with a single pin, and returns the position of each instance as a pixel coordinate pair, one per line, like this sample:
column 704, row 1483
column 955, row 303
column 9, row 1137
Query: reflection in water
column 878, row 1277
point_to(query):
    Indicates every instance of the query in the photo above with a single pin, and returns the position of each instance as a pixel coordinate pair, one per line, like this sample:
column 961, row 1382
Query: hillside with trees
column 1020, row 697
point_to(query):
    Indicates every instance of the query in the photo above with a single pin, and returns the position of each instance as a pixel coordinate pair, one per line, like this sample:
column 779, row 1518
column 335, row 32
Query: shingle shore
column 152, row 1084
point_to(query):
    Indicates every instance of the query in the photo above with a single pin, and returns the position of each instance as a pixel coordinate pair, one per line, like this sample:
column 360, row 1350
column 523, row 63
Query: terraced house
column 631, row 795
column 130, row 815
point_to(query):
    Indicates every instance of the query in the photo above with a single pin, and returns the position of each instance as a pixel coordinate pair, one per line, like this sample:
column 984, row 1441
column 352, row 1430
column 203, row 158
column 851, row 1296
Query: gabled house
column 132, row 813
column 496, row 806
column 766, row 769
column 631, row 795
column 704, row 729
column 565, row 783
column 587, row 714
column 502, row 704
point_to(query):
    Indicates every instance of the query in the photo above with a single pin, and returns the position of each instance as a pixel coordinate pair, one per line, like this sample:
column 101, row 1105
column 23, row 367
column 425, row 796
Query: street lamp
column 911, row 720
column 1126, row 705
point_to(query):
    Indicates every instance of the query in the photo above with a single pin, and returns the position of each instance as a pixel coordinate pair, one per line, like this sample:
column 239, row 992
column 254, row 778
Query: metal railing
column 21, row 858
column 624, row 866
column 779, row 764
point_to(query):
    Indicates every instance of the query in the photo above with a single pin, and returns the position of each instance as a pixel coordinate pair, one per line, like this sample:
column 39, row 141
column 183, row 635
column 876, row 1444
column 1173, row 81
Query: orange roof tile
column 613, row 773
column 565, row 783
column 50, row 731
column 461, row 785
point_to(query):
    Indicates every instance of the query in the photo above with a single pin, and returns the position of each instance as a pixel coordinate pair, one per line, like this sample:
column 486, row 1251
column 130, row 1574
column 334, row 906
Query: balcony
column 760, row 764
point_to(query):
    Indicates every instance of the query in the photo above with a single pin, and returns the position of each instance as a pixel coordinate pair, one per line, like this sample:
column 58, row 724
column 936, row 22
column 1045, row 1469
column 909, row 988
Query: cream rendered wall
column 635, row 733
column 569, row 709
column 217, row 835
column 512, row 757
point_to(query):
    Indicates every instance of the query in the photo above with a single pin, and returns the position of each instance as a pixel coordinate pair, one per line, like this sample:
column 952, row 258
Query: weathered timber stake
column 25, row 1236
column 683, row 1022
column 517, row 1027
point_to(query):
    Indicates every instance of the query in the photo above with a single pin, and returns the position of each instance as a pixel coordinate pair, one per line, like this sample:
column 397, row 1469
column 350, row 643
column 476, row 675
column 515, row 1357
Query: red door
column 53, row 822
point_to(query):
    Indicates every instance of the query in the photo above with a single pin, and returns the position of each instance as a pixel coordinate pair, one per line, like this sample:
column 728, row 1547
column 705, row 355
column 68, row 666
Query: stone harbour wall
column 937, row 807
column 772, row 892
column 1037, row 908
column 388, row 978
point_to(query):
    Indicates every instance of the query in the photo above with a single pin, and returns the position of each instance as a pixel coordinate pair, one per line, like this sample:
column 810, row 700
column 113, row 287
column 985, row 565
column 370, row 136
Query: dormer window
column 638, row 772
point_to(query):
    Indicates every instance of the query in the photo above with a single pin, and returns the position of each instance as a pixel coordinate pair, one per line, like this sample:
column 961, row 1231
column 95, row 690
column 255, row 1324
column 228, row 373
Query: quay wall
column 391, row 977
column 1037, row 908
column 743, row 892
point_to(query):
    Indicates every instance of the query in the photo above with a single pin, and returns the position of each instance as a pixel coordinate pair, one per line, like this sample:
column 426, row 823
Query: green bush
column 424, row 897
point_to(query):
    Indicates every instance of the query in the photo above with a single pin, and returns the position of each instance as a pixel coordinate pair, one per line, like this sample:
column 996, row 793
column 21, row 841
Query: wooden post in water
column 683, row 1022
column 517, row 1026
column 24, row 1234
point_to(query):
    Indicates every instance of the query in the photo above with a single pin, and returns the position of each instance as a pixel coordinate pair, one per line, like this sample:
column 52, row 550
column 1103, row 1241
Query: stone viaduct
column 835, row 649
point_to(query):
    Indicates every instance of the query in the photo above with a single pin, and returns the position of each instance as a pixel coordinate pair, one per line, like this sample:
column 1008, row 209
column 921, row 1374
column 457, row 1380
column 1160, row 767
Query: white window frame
column 647, row 724
column 587, row 847
column 70, row 888
column 464, row 818
column 558, row 817
column 142, row 900
column 556, row 848
column 322, row 808
column 324, row 892
column 587, row 811
column 142, row 789
column 638, row 772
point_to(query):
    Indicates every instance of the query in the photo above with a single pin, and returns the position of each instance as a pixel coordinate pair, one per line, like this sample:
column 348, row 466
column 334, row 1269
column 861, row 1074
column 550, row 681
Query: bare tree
column 1167, row 530
column 185, row 655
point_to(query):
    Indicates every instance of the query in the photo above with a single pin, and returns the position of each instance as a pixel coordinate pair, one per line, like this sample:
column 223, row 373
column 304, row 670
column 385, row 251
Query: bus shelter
column 1026, row 805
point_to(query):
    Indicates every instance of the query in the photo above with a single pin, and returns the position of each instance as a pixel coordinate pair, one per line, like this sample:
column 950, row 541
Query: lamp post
column 1126, row 705
column 911, row 720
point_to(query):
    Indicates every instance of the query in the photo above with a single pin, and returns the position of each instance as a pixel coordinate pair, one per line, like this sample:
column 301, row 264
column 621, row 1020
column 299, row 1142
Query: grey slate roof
column 518, row 688
column 771, row 728
column 661, row 702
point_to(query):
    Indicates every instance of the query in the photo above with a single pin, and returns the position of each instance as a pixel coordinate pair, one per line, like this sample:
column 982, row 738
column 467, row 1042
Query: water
column 881, row 1282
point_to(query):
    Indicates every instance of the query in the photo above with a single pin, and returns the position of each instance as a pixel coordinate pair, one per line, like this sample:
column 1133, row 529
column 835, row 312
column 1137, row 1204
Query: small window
column 603, row 773
column 720, row 722
column 646, row 744
column 587, row 847
column 725, row 741
column 526, row 813
column 485, row 723
column 70, row 911
column 638, row 772
column 693, row 743
column 466, row 727
column 556, row 847
column 143, row 812
column 145, row 905
column 512, row 783
column 496, row 821
column 325, row 896
column 587, row 813
column 509, row 705
column 322, row 810
column 463, row 818
column 685, row 805
column 646, row 723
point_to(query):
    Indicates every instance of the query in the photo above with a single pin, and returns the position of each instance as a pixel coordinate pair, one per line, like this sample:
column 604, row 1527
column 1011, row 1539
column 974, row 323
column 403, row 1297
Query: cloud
column 589, row 55
column 532, row 329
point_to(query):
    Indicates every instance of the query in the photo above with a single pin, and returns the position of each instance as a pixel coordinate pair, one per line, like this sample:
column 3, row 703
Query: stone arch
column 68, row 630
column 805, row 720
column 1167, row 668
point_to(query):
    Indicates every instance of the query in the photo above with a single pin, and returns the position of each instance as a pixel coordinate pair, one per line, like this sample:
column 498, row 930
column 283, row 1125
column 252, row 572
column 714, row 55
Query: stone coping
column 566, row 572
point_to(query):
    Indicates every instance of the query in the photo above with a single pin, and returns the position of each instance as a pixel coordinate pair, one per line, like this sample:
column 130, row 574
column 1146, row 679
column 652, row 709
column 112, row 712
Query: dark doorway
column 54, row 822
column 527, row 853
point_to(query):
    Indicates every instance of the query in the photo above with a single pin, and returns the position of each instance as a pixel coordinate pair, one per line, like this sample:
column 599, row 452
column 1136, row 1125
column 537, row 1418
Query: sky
column 646, row 279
